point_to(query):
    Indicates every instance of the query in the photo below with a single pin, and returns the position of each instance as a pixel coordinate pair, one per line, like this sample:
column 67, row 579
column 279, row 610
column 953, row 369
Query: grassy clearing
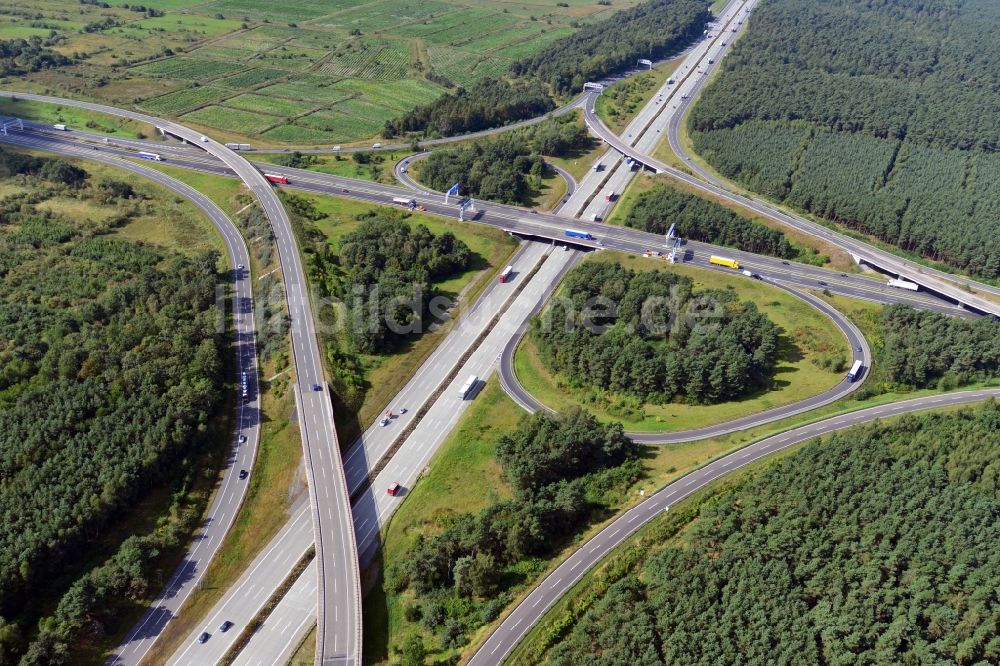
column 806, row 334
column 268, row 105
column 80, row 119
column 233, row 120
column 228, row 193
column 550, row 194
column 618, row 104
column 378, row 170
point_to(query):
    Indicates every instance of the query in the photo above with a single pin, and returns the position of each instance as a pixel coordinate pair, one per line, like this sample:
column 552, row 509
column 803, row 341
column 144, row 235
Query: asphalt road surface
column 601, row 188
column 271, row 568
column 939, row 282
column 339, row 593
column 550, row 226
column 531, row 609
column 287, row 624
column 858, row 345
column 284, row 628
column 230, row 493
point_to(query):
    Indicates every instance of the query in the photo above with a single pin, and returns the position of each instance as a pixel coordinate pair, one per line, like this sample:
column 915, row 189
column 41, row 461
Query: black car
column 244, row 474
column 204, row 637
column 224, row 627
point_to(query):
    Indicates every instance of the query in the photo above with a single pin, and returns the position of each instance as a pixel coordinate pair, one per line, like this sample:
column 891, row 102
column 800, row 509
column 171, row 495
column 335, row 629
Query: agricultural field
column 296, row 72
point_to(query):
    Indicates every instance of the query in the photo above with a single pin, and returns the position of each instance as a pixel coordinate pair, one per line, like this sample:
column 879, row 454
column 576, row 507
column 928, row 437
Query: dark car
column 224, row 627
column 204, row 637
column 822, row 283
column 244, row 474
column 317, row 387
column 785, row 263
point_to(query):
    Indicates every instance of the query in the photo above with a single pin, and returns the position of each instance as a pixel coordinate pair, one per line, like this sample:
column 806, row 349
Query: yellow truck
column 724, row 261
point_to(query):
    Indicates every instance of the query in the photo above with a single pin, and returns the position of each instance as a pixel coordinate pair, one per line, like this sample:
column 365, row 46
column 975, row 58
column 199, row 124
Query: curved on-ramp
column 859, row 346
column 338, row 610
column 499, row 644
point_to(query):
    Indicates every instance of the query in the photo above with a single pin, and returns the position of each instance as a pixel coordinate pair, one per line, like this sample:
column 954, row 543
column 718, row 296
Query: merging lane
column 530, row 610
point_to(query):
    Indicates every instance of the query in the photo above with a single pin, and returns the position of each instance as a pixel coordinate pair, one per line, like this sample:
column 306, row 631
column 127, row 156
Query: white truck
column 61, row 127
column 903, row 284
column 468, row 387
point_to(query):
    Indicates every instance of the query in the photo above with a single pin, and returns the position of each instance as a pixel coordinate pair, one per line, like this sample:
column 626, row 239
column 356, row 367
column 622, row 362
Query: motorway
column 537, row 225
column 530, row 610
column 937, row 281
column 601, row 187
column 230, row 493
column 338, row 640
column 291, row 619
column 858, row 345
column 550, row 227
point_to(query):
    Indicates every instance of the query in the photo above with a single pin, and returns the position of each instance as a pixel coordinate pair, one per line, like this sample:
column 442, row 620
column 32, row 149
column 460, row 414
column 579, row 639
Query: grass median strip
column 384, row 460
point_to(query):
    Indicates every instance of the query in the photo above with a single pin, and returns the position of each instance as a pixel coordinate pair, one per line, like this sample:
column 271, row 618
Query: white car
column 204, row 139
column 383, row 423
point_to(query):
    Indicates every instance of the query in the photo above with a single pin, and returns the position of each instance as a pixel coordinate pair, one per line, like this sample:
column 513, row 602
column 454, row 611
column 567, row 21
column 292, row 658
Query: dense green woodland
column 883, row 116
column 110, row 371
column 18, row 56
column 877, row 545
column 702, row 220
column 563, row 469
column 488, row 103
column 647, row 334
column 652, row 29
column 508, row 168
column 918, row 349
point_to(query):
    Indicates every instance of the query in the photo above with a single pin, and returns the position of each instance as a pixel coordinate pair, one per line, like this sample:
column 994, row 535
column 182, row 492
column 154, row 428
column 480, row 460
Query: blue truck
column 573, row 233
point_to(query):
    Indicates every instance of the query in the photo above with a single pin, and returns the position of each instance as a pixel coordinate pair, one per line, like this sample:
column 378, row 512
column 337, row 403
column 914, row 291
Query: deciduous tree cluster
column 509, row 168
column 390, row 271
column 559, row 467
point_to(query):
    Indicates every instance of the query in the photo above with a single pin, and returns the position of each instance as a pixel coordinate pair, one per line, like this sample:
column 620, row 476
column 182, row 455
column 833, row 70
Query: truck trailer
column 903, row 284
